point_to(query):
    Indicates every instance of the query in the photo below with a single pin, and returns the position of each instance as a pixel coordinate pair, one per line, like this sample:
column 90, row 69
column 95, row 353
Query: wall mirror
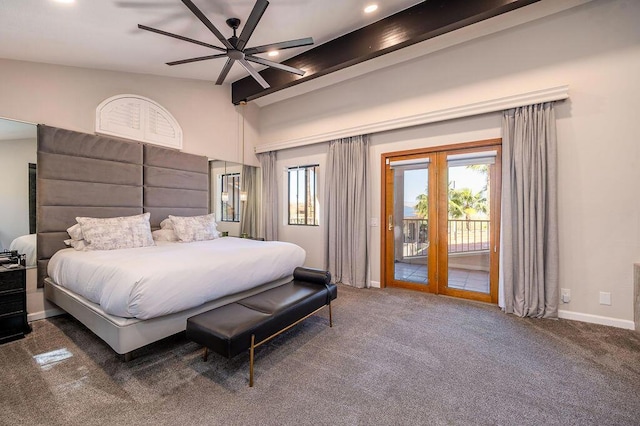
column 231, row 193
column 18, row 153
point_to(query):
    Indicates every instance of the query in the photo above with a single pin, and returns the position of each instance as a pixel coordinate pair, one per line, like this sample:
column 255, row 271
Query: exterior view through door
column 442, row 211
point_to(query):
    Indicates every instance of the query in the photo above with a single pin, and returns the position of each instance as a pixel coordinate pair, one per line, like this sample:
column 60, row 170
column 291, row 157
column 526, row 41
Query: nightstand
column 13, row 304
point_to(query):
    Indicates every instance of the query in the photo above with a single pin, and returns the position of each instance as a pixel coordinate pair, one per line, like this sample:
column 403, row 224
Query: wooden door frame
column 435, row 263
column 386, row 244
column 494, row 238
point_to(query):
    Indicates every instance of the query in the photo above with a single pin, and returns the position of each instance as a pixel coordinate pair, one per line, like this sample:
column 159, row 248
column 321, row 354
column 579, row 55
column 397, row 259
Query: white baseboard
column 44, row 314
column 597, row 319
column 577, row 316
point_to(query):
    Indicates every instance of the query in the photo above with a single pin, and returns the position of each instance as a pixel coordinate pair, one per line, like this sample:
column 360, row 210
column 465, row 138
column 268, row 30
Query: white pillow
column 165, row 235
column 79, row 245
column 116, row 232
column 195, row 228
column 75, row 232
column 166, row 224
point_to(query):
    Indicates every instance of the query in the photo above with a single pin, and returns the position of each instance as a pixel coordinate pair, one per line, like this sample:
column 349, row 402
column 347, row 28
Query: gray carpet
column 393, row 357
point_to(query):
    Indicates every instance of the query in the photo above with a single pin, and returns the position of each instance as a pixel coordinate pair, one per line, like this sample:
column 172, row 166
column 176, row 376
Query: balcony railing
column 468, row 235
column 464, row 236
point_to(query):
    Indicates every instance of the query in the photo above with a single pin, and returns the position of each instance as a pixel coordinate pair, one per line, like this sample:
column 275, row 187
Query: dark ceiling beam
column 423, row 21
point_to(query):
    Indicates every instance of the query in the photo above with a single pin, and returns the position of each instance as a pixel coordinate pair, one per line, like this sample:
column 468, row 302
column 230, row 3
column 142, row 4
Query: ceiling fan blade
column 272, row 64
column 200, row 58
column 194, row 9
column 251, row 70
column 252, row 22
column 279, row 46
column 179, row 37
column 225, row 71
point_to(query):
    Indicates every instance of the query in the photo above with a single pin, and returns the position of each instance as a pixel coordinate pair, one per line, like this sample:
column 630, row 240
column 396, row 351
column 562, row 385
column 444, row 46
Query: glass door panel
column 411, row 223
column 469, row 227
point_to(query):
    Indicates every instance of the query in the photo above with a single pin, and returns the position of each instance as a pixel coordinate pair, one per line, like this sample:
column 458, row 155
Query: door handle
column 390, row 223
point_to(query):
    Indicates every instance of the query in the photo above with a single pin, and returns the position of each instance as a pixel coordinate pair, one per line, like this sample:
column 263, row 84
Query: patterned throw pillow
column 116, row 232
column 195, row 228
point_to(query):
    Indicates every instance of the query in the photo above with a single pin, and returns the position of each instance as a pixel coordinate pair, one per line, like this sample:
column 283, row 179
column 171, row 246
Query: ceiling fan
column 235, row 47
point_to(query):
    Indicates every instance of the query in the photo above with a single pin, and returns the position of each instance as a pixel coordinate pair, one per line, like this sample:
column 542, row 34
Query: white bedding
column 148, row 282
column 26, row 245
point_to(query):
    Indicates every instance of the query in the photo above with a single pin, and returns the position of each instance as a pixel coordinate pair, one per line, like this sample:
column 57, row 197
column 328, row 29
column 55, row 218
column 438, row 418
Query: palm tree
column 422, row 207
column 483, row 169
column 464, row 202
column 480, row 168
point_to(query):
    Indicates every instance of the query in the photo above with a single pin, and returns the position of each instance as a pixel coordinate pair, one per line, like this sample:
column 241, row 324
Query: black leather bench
column 254, row 320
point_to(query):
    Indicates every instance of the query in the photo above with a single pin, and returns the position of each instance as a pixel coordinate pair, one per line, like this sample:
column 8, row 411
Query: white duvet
column 148, row 282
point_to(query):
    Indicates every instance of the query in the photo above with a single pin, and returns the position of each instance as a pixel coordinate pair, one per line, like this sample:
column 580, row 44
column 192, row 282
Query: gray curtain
column 269, row 195
column 529, row 258
column 249, row 215
column 346, row 210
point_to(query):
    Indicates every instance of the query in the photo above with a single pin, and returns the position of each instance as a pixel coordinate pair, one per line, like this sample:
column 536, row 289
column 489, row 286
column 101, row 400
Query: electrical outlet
column 605, row 298
column 565, row 295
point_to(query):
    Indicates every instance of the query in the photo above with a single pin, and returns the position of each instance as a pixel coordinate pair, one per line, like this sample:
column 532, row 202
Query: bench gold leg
column 206, row 354
column 253, row 343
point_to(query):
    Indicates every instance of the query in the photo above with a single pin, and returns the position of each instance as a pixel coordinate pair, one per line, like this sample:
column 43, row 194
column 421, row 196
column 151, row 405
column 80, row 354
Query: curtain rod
column 491, row 105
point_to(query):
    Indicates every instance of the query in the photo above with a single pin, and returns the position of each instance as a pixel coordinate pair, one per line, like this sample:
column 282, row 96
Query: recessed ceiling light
column 371, row 8
column 65, row 1
column 273, row 53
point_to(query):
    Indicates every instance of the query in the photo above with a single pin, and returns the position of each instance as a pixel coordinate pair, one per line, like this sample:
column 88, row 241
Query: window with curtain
column 230, row 209
column 303, row 195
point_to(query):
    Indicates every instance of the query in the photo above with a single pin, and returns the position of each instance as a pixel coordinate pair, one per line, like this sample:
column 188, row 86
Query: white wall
column 311, row 238
column 15, row 156
column 67, row 97
column 595, row 49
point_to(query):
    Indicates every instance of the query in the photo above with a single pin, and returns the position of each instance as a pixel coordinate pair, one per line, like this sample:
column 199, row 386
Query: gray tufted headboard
column 87, row 175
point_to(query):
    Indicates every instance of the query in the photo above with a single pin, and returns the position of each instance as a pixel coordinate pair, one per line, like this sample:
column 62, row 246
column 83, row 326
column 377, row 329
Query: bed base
column 124, row 335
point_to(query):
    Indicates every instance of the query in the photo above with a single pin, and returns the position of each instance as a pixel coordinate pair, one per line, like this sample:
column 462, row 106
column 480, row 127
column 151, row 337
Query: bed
column 26, row 244
column 94, row 176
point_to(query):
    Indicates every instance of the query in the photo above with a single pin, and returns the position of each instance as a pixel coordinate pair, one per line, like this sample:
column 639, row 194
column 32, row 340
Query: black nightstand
column 13, row 304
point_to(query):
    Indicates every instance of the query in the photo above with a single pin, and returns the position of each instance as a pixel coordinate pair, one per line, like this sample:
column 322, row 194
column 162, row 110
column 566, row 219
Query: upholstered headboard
column 87, row 175
column 174, row 183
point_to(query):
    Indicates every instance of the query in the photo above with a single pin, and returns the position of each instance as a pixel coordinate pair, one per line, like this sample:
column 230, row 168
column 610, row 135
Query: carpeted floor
column 393, row 357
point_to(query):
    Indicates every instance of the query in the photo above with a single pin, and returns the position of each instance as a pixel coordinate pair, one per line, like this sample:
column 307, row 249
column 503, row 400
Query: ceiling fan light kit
column 235, row 49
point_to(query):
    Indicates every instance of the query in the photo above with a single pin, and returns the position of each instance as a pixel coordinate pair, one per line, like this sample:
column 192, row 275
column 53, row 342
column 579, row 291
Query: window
column 230, row 209
column 303, row 195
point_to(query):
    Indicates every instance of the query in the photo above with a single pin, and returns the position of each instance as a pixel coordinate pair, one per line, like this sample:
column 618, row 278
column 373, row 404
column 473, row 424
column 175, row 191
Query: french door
column 442, row 213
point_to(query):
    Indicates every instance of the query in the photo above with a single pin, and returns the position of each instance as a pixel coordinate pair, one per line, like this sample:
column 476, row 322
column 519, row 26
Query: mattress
column 149, row 282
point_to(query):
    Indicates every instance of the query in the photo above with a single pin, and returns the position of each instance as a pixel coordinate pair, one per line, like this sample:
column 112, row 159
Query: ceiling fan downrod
column 234, row 23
